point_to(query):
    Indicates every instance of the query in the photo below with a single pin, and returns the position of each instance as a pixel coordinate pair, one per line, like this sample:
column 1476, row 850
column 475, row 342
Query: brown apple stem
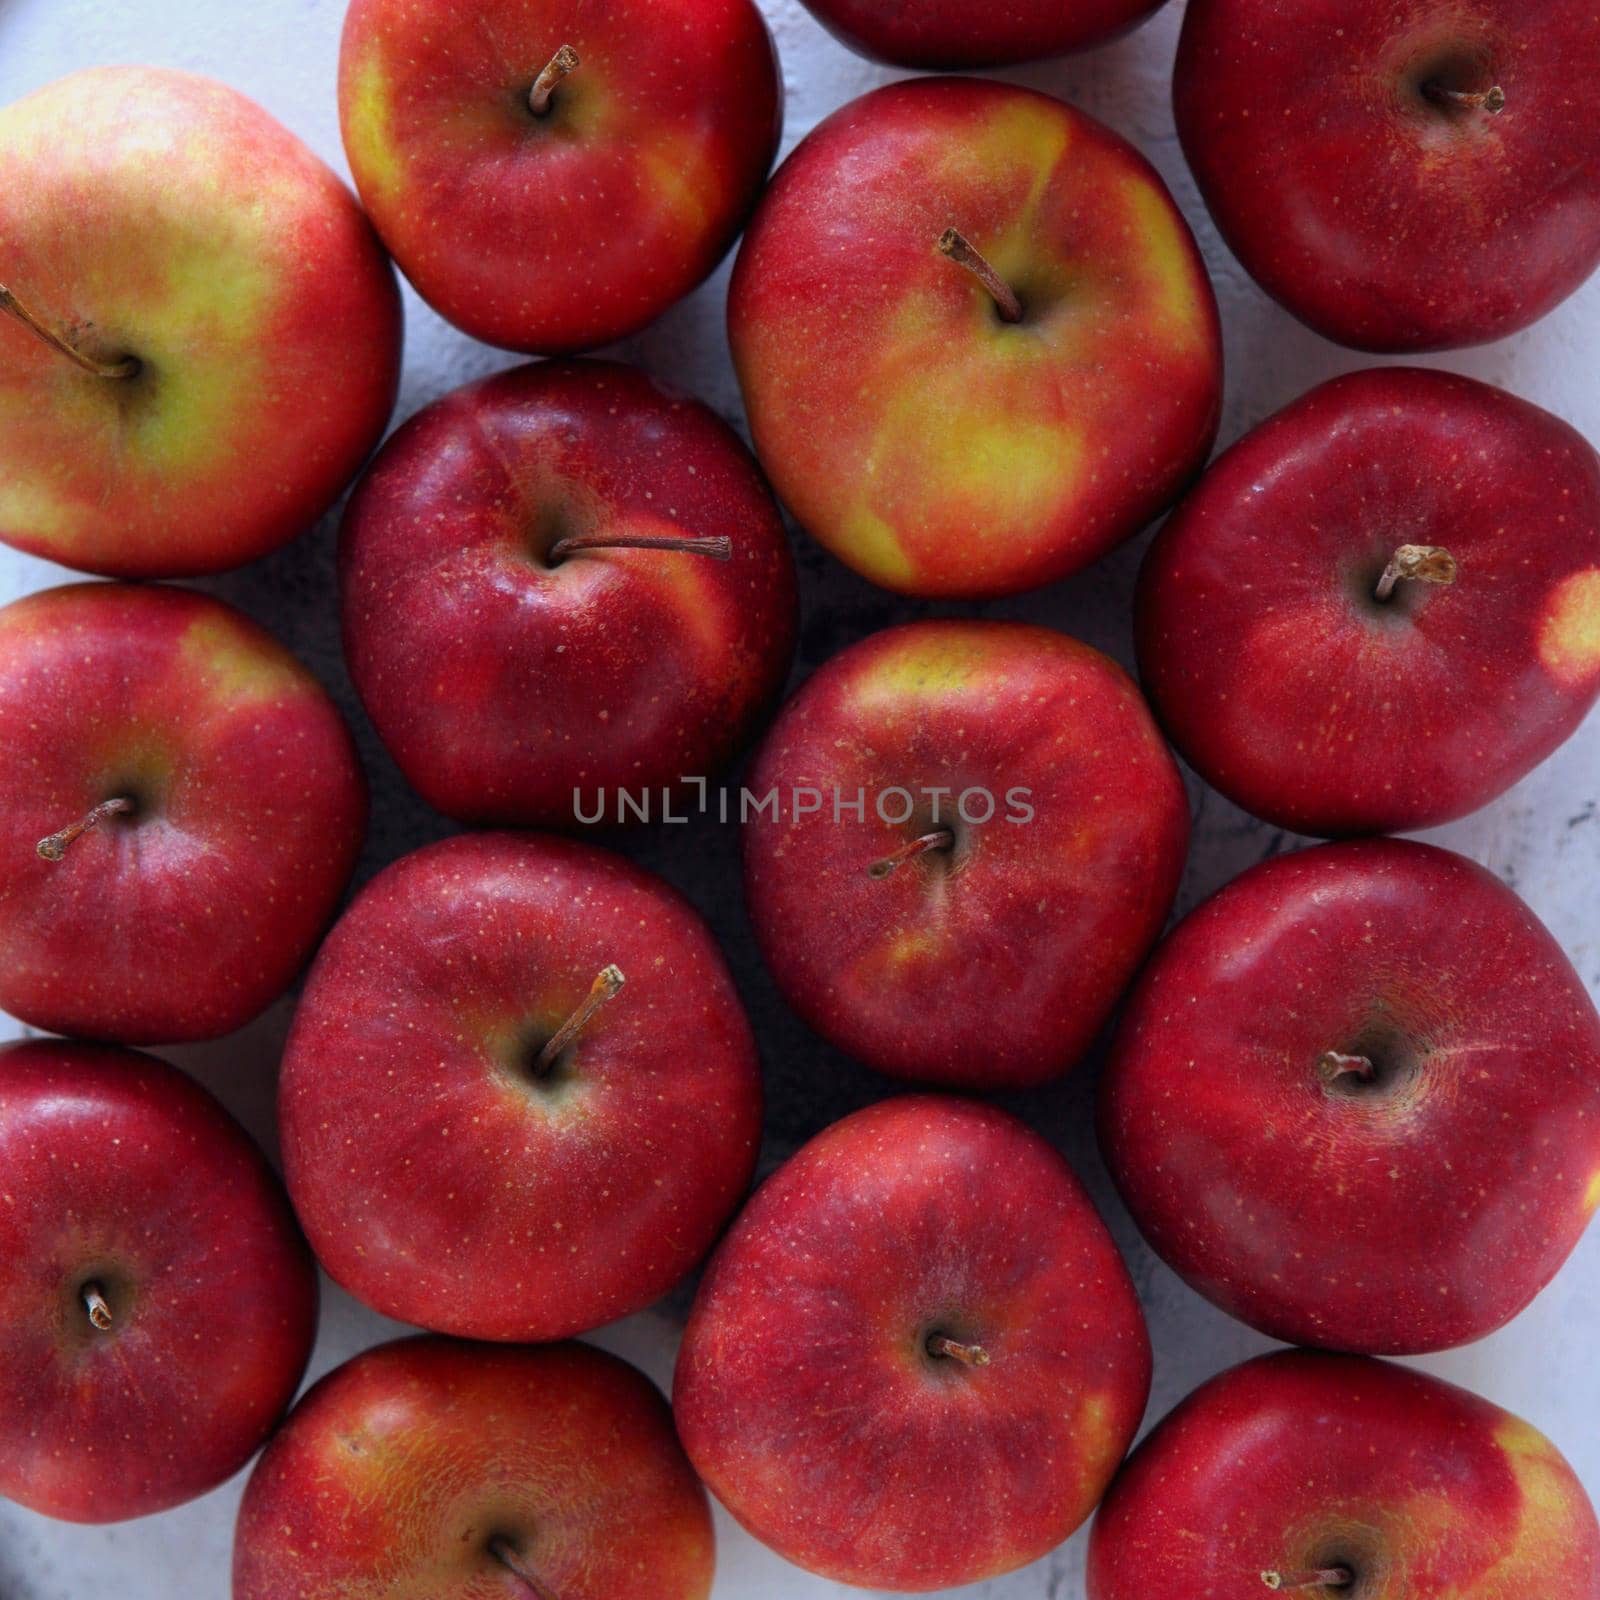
column 939, row 839
column 961, row 251
column 601, row 990
column 95, row 1302
column 13, row 307
column 1492, row 100
column 719, row 548
column 969, row 1355
column 54, row 847
column 565, row 60
column 1321, row 1578
column 1422, row 563
column 508, row 1558
column 1335, row 1064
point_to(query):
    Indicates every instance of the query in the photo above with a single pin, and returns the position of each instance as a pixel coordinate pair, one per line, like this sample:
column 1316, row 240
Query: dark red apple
column 1355, row 1100
column 520, row 1097
column 553, row 174
column 969, row 835
column 917, row 1358
column 157, row 1303
column 513, row 643
column 1341, row 1478
column 456, row 1471
column 1382, row 607
column 181, row 806
column 1407, row 176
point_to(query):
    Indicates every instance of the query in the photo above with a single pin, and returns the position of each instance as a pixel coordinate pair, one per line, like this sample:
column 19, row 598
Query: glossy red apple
column 513, row 646
column 1336, row 1476
column 917, row 1358
column 181, row 807
column 457, row 1471
column 520, row 1097
column 204, row 335
column 1355, row 1100
column 1382, row 607
column 553, row 174
column 157, row 1303
column 1406, row 176
column 968, row 836
column 976, row 342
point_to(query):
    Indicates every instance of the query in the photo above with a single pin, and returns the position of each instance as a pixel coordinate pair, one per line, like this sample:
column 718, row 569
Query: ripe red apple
column 1020, row 835
column 917, row 1358
column 553, row 174
column 1336, row 1476
column 511, row 645
column 157, row 1303
column 1382, row 607
column 520, row 1097
column 182, row 807
column 1406, row 176
column 976, row 342
column 1355, row 1100
column 457, row 1471
column 204, row 335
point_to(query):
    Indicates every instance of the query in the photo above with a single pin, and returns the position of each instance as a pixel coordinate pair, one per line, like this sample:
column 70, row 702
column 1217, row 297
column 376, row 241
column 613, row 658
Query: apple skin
column 441, row 1181
column 395, row 1472
column 994, row 964
column 1371, row 1217
column 501, row 683
column 1287, row 686
column 805, row 1392
column 555, row 234
column 188, row 917
column 931, row 446
column 1297, row 1461
column 118, row 1170
column 152, row 213
column 1381, row 219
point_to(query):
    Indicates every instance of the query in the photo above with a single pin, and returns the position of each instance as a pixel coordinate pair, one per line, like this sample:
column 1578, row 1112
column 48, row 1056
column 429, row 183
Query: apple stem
column 565, row 60
column 969, row 1355
column 54, row 847
column 601, row 990
column 965, row 254
column 1321, row 1578
column 508, row 1558
column 1425, row 563
column 1335, row 1064
column 101, row 369
column 95, row 1302
column 719, row 548
column 939, row 839
column 1492, row 100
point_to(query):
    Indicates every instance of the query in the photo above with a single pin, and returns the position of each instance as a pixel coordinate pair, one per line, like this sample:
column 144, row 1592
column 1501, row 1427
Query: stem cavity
column 1422, row 563
column 961, row 251
column 601, row 990
column 719, row 549
column 56, row 845
column 12, row 307
column 503, row 1551
column 1492, row 100
column 969, row 1355
column 939, row 839
column 565, row 60
column 1321, row 1578
column 94, row 1302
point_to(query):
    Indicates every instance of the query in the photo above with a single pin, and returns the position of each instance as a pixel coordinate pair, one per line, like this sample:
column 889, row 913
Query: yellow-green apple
column 203, row 338
column 453, row 1471
column 182, row 807
column 157, row 1302
column 917, row 1358
column 1414, row 176
column 520, row 1097
column 976, row 342
column 553, row 174
column 564, row 578
column 1382, row 607
column 963, row 837
column 1355, row 1100
column 1343, row 1478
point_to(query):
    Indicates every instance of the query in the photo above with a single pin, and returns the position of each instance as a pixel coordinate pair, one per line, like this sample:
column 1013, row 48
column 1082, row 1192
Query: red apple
column 157, row 1303
column 553, row 174
column 1338, row 1476
column 1382, row 607
column 204, row 335
column 977, row 344
column 1406, row 176
column 1355, row 1100
column 511, row 645
column 1020, row 836
column 182, row 808
column 917, row 1358
column 520, row 1097
column 456, row 1471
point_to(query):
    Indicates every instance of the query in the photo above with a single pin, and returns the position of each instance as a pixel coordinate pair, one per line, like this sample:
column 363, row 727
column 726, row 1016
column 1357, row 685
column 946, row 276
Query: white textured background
column 1543, row 837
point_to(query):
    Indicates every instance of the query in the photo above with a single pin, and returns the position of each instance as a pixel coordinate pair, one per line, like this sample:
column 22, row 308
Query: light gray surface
column 1543, row 837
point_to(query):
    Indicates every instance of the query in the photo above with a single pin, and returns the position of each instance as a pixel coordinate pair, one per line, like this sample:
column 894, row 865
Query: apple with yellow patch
column 976, row 341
